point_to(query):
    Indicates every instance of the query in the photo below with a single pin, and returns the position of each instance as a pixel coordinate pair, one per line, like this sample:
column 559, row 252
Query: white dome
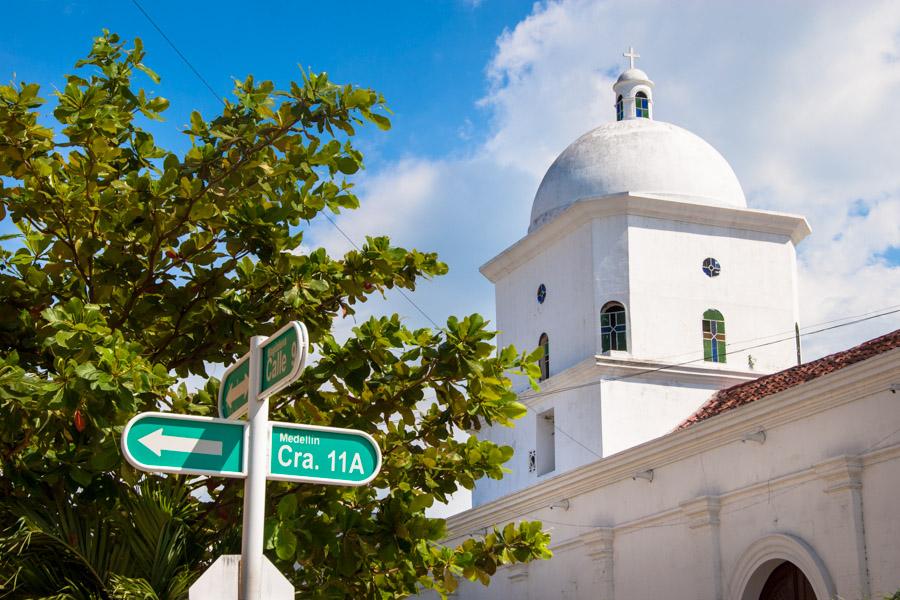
column 633, row 75
column 637, row 156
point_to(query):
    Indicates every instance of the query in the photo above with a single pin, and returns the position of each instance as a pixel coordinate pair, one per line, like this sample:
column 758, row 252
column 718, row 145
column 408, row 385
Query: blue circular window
column 711, row 267
column 542, row 293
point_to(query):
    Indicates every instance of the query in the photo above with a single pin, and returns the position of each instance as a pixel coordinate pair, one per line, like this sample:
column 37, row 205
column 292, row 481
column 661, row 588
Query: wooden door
column 787, row 582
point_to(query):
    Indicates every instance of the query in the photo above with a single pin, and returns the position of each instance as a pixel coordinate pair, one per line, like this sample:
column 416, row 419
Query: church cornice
column 595, row 370
column 684, row 210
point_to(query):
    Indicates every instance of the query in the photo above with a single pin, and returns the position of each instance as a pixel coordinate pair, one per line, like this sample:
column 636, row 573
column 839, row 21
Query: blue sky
column 801, row 98
column 427, row 58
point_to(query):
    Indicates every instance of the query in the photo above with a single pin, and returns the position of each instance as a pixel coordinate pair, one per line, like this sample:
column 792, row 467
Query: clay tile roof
column 745, row 393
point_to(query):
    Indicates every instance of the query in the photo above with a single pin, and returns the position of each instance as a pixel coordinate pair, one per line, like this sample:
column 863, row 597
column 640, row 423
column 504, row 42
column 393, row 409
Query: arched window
column 612, row 327
column 713, row 336
column 544, row 363
column 620, row 108
column 641, row 105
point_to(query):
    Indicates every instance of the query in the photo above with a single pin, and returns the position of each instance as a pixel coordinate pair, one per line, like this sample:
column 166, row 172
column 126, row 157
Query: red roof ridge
column 750, row 391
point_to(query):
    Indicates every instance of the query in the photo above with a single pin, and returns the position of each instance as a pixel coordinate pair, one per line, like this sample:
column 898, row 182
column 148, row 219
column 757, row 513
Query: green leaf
column 285, row 543
column 287, row 507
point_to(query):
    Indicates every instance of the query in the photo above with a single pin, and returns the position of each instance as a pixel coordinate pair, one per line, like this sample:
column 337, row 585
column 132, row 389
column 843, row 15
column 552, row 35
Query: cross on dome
column 630, row 55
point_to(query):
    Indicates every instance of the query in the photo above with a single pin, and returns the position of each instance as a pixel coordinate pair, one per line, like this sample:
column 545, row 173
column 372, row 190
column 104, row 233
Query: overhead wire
column 178, row 52
column 218, row 97
column 725, row 510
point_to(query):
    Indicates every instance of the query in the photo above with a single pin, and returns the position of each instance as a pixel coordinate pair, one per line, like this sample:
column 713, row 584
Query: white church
column 677, row 448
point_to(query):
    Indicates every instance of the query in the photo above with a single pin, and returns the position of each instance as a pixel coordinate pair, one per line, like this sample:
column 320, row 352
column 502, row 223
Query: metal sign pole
column 255, row 484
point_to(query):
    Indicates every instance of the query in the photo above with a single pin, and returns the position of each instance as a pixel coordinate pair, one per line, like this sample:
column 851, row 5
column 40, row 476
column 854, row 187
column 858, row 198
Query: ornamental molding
column 598, row 543
column 517, row 572
column 580, row 213
column 602, row 367
column 841, row 473
column 702, row 512
column 761, row 557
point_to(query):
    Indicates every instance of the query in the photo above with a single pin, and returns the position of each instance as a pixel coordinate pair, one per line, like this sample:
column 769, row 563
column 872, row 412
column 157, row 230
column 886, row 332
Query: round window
column 711, row 267
column 541, row 293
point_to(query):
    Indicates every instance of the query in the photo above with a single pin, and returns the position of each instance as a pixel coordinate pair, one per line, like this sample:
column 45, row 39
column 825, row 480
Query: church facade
column 677, row 448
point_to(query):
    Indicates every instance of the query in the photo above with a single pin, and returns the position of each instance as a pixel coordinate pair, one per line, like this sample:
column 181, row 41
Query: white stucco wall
column 564, row 267
column 755, row 292
column 577, row 412
column 821, row 491
column 653, row 267
column 634, row 411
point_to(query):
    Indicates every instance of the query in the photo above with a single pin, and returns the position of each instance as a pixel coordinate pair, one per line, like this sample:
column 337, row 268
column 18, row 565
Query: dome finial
column 631, row 56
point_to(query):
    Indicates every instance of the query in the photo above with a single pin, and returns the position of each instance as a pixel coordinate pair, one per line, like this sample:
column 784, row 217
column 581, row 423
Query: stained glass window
column 541, row 293
column 613, row 331
column 711, row 267
column 544, row 363
column 620, row 109
column 713, row 336
column 642, row 105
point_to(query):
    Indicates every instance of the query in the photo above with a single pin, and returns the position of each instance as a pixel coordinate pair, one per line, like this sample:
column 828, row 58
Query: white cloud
column 800, row 98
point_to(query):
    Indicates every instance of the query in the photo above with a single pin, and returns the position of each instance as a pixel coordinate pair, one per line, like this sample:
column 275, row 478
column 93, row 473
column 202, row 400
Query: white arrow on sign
column 156, row 441
column 237, row 391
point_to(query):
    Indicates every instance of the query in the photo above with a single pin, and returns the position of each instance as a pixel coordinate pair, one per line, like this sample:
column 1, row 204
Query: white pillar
column 703, row 517
column 255, row 484
column 598, row 544
column 843, row 481
column 518, row 580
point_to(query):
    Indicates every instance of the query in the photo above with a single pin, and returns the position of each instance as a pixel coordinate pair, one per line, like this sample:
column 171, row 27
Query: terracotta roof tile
column 745, row 393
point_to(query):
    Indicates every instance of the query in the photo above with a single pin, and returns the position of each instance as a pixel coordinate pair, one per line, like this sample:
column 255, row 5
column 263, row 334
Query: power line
column 179, row 53
column 695, row 360
column 738, row 507
column 402, row 293
column 222, row 100
column 666, row 367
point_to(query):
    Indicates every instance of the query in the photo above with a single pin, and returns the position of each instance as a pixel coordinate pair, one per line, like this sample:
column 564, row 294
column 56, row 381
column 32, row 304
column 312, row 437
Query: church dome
column 633, row 75
column 638, row 155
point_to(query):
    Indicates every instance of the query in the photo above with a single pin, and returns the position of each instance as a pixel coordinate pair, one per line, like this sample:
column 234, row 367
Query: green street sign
column 282, row 358
column 170, row 443
column 328, row 455
column 235, row 389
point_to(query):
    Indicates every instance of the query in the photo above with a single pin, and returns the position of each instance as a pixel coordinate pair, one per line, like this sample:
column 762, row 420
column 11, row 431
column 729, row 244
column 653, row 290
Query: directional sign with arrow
column 282, row 357
column 316, row 454
column 234, row 392
column 169, row 443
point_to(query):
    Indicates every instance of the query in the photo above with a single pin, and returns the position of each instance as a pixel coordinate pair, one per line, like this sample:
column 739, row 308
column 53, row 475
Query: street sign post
column 328, row 455
column 256, row 449
column 283, row 356
column 171, row 443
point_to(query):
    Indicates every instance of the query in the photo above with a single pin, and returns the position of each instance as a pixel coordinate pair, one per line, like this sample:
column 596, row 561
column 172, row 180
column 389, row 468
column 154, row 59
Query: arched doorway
column 787, row 582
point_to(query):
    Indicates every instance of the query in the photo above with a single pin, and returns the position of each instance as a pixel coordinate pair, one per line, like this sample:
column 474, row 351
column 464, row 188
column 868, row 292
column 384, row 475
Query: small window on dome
column 620, row 108
column 642, row 105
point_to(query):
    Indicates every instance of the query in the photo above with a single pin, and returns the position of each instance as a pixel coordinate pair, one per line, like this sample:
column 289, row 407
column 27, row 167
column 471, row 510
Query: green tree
column 131, row 266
